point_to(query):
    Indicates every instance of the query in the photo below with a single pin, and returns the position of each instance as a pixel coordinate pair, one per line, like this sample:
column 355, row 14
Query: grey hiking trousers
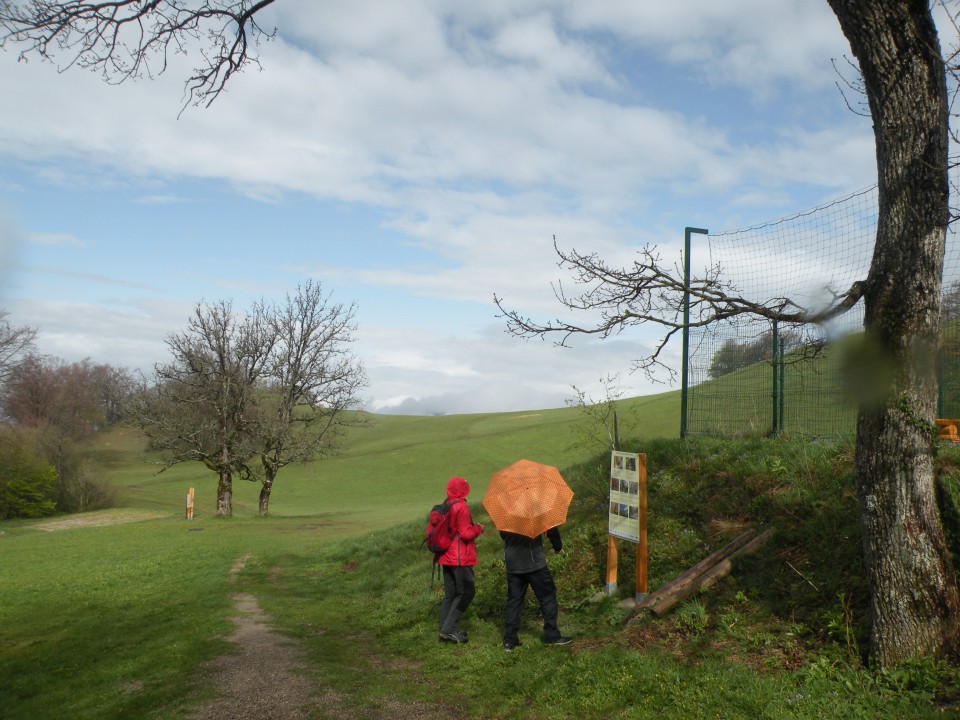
column 459, row 588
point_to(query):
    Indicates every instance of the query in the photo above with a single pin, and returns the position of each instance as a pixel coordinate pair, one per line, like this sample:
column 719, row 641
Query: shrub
column 28, row 483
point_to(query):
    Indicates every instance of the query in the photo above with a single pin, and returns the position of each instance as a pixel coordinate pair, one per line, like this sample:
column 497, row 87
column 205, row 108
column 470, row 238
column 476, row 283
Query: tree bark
column 265, row 491
column 914, row 595
column 225, row 494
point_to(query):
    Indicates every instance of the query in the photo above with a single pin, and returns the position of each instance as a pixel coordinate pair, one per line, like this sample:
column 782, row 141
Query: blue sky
column 417, row 158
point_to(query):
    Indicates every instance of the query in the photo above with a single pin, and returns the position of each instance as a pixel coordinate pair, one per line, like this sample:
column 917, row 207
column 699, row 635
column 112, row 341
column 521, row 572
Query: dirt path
column 267, row 678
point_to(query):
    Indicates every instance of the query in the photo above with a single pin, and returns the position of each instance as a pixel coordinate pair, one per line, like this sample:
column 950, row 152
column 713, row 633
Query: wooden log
column 690, row 575
column 676, row 595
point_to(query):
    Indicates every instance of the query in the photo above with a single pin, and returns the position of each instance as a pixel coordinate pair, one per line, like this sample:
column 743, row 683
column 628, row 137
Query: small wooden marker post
column 190, row 504
column 612, row 558
column 613, row 549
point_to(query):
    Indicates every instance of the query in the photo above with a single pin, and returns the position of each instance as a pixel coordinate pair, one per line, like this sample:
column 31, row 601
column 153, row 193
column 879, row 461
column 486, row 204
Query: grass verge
column 117, row 620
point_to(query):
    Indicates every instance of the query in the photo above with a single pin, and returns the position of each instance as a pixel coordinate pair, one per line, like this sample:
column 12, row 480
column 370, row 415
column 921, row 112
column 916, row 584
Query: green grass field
column 815, row 399
column 113, row 614
column 388, row 470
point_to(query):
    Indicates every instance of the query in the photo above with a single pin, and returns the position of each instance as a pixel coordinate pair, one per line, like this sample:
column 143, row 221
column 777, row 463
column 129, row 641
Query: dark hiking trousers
column 459, row 589
column 546, row 591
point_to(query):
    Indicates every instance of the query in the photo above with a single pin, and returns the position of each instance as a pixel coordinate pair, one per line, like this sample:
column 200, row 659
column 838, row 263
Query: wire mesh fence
column 749, row 376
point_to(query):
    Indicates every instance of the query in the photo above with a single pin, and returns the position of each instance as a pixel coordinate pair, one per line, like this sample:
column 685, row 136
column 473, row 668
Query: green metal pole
column 940, row 376
column 783, row 392
column 684, row 378
column 776, row 379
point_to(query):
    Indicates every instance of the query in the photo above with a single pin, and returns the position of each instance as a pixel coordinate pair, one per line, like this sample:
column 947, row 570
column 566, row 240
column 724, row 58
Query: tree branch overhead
column 131, row 39
column 653, row 292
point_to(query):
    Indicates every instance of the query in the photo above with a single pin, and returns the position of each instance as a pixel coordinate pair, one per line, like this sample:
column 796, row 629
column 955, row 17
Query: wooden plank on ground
column 692, row 580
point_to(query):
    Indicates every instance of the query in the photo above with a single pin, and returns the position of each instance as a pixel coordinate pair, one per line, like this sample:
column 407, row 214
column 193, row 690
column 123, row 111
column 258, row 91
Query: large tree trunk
column 225, row 494
column 914, row 594
column 265, row 491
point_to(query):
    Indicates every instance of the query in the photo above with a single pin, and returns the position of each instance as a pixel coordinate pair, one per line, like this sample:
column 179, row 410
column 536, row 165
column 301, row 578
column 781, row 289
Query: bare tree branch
column 15, row 344
column 132, row 39
column 650, row 292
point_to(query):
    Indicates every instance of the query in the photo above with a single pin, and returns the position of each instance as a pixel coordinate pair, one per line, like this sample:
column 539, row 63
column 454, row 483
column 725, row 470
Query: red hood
column 457, row 489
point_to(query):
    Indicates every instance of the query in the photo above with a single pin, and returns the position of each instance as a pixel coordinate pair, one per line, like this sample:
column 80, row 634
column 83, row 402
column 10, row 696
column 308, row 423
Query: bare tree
column 114, row 387
column 202, row 403
column 76, row 398
column 15, row 344
column 49, row 393
column 652, row 292
column 601, row 422
column 248, row 395
column 313, row 381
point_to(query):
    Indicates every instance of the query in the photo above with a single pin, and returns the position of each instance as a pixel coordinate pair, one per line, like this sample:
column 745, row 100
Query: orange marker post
column 612, row 550
column 641, row 591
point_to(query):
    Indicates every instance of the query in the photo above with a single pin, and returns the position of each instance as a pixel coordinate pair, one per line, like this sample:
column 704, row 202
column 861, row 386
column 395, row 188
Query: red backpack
column 438, row 536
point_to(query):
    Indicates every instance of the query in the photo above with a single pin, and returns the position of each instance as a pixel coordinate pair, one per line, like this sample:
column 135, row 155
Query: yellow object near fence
column 948, row 429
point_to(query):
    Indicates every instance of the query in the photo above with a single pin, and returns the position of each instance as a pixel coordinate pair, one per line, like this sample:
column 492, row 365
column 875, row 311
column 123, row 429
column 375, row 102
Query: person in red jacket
column 458, row 563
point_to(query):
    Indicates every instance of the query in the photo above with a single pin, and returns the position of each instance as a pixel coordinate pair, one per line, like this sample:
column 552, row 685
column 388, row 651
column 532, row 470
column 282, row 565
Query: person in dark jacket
column 527, row 566
column 458, row 563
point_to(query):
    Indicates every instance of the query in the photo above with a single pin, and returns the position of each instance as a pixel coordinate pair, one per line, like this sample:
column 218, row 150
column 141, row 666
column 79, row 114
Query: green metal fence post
column 783, row 391
column 776, row 380
column 684, row 378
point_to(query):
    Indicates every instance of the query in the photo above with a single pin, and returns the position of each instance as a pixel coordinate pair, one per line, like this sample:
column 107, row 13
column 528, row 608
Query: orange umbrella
column 527, row 498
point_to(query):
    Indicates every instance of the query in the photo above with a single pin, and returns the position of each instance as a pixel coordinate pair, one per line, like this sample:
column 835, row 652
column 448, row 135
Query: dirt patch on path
column 97, row 519
column 268, row 678
column 265, row 680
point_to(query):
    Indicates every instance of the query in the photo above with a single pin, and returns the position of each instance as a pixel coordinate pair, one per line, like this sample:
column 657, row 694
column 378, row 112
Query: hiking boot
column 559, row 641
column 511, row 645
column 454, row 637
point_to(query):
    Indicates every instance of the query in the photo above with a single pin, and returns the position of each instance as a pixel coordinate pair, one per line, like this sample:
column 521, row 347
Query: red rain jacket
column 463, row 550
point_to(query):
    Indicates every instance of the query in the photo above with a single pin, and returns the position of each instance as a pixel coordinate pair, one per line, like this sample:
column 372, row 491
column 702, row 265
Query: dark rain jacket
column 522, row 554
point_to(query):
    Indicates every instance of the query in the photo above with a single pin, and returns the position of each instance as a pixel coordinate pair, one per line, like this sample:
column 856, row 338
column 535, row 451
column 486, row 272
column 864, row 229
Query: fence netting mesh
column 749, row 376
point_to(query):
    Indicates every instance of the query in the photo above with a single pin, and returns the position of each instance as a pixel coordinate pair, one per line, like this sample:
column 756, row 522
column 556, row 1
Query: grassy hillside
column 819, row 392
column 391, row 468
column 816, row 399
column 113, row 614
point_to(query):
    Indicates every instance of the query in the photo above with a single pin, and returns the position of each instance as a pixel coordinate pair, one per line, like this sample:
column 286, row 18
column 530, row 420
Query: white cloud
column 126, row 336
column 746, row 43
column 475, row 132
column 488, row 370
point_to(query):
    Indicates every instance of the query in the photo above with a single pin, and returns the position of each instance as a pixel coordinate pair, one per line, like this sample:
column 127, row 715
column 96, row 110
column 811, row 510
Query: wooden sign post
column 642, row 544
column 612, row 559
column 190, row 504
column 628, row 516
